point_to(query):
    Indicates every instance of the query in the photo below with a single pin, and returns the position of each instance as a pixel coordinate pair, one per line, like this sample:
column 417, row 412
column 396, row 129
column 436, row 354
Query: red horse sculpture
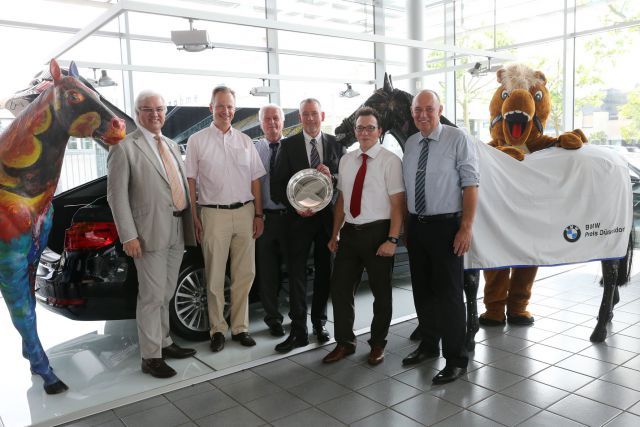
column 31, row 153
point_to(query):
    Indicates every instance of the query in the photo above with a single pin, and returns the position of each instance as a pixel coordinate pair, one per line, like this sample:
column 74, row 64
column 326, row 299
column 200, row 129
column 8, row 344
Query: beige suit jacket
column 139, row 194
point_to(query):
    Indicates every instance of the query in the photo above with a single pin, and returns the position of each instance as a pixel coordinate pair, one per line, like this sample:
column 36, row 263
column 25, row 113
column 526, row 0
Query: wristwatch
column 261, row 216
column 393, row 240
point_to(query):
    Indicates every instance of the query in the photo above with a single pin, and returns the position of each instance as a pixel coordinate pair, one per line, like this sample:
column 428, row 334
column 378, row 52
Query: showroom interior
column 338, row 51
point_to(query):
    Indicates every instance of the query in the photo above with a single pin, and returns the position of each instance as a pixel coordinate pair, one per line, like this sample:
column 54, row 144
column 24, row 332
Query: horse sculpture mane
column 394, row 108
column 31, row 153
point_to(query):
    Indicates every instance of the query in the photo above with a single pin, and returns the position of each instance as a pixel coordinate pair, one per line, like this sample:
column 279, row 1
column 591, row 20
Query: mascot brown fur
column 519, row 110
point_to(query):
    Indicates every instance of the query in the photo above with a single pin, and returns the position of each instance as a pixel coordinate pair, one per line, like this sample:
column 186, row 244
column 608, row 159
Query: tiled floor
column 547, row 374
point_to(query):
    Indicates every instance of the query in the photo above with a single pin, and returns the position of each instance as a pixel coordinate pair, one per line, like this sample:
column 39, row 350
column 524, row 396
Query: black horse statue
column 394, row 108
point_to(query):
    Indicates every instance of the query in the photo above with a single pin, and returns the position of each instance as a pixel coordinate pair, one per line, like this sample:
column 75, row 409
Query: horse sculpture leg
column 610, row 281
column 471, row 283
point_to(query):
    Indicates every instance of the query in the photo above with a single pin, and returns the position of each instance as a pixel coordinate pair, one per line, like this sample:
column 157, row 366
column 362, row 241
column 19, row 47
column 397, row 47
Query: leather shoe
column 276, row 330
column 419, row 355
column 157, row 368
column 449, row 374
column 340, row 352
column 244, row 338
column 292, row 341
column 174, row 351
column 217, row 342
column 321, row 333
column 376, row 356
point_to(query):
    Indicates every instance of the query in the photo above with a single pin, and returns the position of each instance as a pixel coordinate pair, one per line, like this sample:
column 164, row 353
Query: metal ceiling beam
column 208, row 72
column 198, row 14
column 111, row 13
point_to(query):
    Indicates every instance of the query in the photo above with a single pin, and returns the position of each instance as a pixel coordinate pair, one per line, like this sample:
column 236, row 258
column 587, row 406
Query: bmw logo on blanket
column 571, row 233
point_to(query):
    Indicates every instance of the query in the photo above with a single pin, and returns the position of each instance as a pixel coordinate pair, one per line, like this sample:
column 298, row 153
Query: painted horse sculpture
column 394, row 107
column 31, row 154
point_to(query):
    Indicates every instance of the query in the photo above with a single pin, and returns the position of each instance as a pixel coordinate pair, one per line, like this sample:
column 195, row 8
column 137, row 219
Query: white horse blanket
column 555, row 207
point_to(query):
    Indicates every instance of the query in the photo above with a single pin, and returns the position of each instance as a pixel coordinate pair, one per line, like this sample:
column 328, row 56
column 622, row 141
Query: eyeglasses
column 369, row 128
column 148, row 110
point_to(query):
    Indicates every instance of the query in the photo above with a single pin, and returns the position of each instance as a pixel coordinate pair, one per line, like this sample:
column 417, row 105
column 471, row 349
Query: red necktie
column 356, row 195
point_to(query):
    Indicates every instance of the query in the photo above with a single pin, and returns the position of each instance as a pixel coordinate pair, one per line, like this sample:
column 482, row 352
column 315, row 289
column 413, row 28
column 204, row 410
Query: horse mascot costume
column 31, row 153
column 519, row 110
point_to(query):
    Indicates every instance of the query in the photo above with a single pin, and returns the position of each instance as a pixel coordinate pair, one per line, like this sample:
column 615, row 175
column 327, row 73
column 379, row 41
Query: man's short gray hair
column 432, row 92
column 265, row 107
column 308, row 100
column 222, row 89
column 146, row 94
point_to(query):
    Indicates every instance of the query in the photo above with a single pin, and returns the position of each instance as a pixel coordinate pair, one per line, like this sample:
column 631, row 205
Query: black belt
column 434, row 218
column 367, row 225
column 179, row 213
column 231, row 206
column 275, row 211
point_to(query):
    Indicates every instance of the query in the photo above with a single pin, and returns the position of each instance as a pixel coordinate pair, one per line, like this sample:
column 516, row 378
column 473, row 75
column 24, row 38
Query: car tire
column 188, row 311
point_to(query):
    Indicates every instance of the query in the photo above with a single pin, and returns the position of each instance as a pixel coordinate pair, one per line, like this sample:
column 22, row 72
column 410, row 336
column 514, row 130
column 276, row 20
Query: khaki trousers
column 228, row 232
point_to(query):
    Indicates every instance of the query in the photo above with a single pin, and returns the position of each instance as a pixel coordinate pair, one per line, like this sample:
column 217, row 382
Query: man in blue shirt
column 441, row 178
column 271, row 246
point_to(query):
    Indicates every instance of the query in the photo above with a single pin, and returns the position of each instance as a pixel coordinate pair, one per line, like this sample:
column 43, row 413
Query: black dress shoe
column 157, row 368
column 293, row 341
column 321, row 333
column 449, row 374
column 276, row 330
column 420, row 355
column 217, row 342
column 174, row 351
column 244, row 338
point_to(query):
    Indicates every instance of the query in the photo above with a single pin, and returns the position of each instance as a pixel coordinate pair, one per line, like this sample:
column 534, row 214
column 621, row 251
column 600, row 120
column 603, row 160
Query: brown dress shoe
column 176, row 352
column 340, row 352
column 157, row 368
column 376, row 355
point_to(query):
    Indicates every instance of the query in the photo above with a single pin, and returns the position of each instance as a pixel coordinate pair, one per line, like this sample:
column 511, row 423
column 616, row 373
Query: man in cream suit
column 148, row 194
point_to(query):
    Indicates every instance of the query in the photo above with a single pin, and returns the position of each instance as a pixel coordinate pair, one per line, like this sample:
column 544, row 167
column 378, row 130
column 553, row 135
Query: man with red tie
column 366, row 227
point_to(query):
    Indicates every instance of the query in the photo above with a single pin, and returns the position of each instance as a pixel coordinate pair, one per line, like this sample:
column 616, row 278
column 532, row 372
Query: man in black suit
column 309, row 149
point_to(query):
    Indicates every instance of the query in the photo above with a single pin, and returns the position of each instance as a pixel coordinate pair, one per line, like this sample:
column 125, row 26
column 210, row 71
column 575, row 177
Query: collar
column 148, row 135
column 219, row 133
column 308, row 138
column 371, row 152
column 434, row 135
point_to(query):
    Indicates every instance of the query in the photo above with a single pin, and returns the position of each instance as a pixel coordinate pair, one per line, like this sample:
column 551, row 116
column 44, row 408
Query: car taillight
column 89, row 235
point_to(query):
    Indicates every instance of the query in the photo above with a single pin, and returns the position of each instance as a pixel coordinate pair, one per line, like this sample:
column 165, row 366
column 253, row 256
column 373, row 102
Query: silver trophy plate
column 309, row 189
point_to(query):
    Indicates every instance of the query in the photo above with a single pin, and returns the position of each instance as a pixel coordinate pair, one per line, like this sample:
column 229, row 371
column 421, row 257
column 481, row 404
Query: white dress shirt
column 307, row 143
column 383, row 179
column 223, row 165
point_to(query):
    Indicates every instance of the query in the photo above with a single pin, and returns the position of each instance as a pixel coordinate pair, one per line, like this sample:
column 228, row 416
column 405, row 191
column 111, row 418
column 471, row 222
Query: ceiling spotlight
column 349, row 93
column 479, row 69
column 262, row 90
column 103, row 81
column 192, row 40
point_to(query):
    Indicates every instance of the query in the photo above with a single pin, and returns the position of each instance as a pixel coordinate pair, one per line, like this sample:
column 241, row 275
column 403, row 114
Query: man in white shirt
column 225, row 165
column 147, row 193
column 366, row 227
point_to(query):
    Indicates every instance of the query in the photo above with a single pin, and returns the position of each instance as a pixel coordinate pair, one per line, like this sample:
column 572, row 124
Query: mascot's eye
column 538, row 96
column 504, row 94
column 74, row 97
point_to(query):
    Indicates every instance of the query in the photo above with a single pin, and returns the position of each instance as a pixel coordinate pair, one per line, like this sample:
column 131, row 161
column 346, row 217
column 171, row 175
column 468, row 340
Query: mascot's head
column 520, row 106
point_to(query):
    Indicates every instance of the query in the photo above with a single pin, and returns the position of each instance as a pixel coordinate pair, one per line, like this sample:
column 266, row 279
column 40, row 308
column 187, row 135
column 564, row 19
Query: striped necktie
column 177, row 190
column 421, row 202
column 315, row 157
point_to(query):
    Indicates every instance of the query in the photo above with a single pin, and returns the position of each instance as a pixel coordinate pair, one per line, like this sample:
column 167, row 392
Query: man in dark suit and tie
column 147, row 193
column 309, row 149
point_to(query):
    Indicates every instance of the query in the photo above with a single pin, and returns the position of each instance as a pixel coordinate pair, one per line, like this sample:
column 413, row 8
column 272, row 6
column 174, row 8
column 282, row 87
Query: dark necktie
column 421, row 202
column 274, row 152
column 315, row 157
column 356, row 195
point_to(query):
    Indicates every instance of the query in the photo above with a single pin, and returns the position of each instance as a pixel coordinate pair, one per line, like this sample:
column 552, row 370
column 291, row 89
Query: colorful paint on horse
column 31, row 154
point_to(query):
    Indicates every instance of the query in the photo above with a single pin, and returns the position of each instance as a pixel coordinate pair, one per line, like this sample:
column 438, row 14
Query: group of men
column 230, row 195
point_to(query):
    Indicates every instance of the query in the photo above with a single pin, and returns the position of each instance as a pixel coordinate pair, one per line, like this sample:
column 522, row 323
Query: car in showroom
column 84, row 273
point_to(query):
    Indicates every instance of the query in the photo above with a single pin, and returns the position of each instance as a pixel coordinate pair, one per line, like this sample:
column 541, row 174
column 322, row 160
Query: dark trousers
column 437, row 283
column 356, row 251
column 302, row 233
column 271, row 252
